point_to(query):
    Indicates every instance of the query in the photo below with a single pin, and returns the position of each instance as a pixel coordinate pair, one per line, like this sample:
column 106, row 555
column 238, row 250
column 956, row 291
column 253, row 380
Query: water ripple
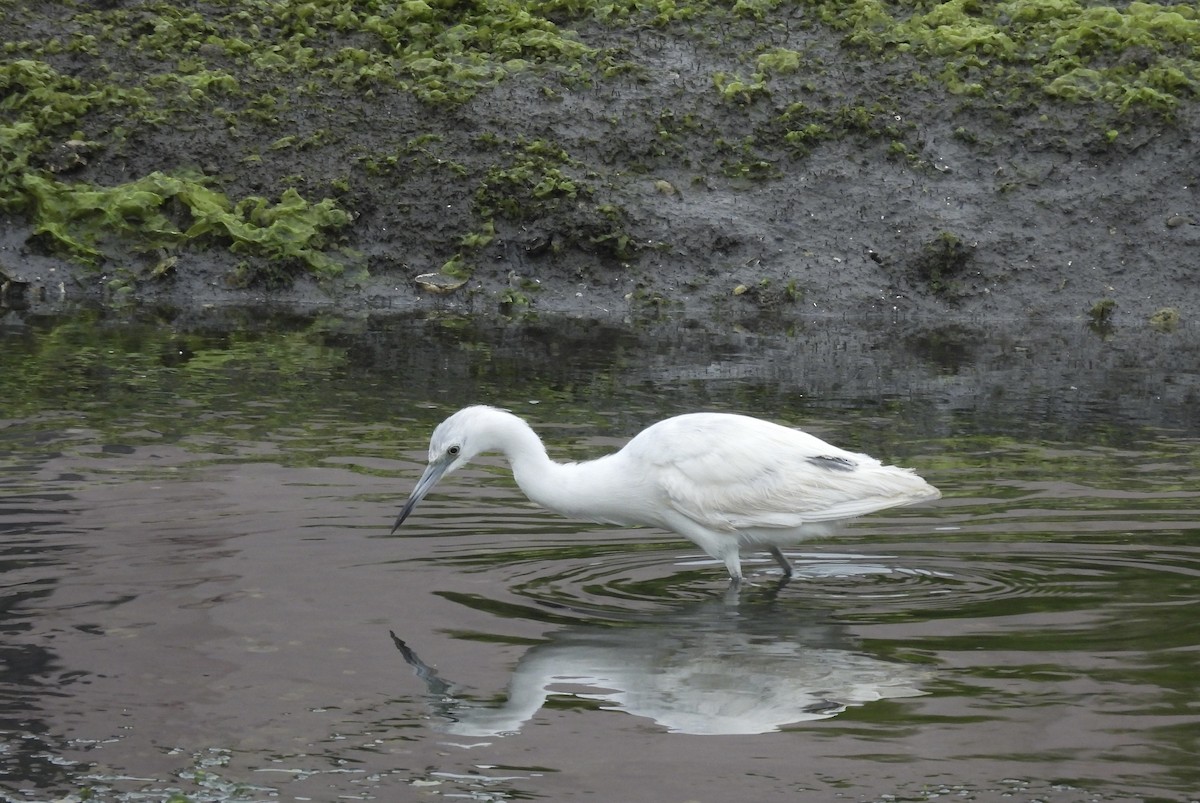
column 605, row 574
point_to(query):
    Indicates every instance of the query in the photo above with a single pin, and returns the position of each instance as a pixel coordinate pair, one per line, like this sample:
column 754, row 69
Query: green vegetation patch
column 441, row 50
column 86, row 86
column 534, row 182
column 1138, row 55
column 37, row 104
column 160, row 211
column 801, row 127
column 95, row 224
column 258, row 60
column 539, row 182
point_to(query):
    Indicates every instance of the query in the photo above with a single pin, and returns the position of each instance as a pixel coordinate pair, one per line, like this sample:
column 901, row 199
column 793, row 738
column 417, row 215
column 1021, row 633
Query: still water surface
column 199, row 596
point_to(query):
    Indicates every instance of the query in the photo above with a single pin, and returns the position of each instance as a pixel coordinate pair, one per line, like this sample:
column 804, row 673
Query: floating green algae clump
column 159, row 211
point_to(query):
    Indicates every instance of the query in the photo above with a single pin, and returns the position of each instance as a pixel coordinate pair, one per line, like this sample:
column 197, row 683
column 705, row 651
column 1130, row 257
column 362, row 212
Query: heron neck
column 550, row 484
column 532, row 468
column 520, row 445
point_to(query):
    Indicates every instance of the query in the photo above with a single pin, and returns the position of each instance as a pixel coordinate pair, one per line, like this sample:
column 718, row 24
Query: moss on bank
column 102, row 224
column 160, row 212
column 277, row 91
column 1139, row 55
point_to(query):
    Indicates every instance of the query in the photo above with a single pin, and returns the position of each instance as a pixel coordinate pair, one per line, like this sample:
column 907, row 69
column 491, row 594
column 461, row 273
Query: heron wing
column 730, row 472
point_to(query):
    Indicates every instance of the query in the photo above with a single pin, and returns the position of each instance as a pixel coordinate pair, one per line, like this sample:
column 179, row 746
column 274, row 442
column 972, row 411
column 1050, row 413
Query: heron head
column 455, row 441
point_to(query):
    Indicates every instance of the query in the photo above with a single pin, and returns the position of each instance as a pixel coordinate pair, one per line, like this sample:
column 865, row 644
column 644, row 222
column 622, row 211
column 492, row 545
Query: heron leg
column 782, row 559
column 733, row 563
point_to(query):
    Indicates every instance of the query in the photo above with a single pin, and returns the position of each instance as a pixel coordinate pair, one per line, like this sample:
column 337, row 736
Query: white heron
column 721, row 480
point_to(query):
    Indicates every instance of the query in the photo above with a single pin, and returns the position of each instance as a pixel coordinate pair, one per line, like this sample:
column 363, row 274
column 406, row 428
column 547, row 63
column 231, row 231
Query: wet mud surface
column 850, row 182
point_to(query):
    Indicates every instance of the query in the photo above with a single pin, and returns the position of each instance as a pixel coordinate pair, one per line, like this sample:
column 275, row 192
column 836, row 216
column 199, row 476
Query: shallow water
column 200, row 595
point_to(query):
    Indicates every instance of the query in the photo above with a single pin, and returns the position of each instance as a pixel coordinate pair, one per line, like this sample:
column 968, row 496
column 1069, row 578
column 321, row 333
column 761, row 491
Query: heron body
column 721, row 480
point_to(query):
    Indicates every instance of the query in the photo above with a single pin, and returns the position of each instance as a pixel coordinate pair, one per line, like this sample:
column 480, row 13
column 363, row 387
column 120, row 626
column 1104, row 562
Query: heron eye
column 453, row 450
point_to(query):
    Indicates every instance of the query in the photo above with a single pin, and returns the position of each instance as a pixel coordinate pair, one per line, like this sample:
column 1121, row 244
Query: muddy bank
column 779, row 158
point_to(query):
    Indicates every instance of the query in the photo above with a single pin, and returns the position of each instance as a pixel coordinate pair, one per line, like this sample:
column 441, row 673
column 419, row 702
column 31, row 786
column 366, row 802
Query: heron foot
column 784, row 563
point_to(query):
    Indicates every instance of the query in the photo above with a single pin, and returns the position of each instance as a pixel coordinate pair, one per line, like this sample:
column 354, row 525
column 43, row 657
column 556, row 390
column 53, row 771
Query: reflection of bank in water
column 708, row 669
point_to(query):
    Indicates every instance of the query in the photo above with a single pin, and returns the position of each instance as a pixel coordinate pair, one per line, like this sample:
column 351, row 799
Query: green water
column 201, row 600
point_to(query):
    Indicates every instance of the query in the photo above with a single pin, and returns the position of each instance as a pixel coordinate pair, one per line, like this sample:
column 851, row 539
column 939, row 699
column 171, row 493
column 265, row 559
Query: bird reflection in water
column 715, row 668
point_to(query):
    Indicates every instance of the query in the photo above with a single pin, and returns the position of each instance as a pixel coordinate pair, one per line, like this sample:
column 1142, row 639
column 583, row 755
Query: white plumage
column 721, row 480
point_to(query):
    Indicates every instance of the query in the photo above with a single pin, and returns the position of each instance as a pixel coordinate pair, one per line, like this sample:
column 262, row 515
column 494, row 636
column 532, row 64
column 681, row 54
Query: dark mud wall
column 954, row 160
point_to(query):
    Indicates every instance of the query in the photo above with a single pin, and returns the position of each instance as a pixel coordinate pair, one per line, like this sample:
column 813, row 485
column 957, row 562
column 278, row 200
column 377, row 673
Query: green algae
column 260, row 67
column 97, row 224
column 39, row 104
column 1102, row 311
column 1165, row 319
column 445, row 52
column 532, row 181
column 539, row 182
column 802, row 127
column 440, row 51
column 179, row 58
column 161, row 211
column 1145, row 55
column 739, row 89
